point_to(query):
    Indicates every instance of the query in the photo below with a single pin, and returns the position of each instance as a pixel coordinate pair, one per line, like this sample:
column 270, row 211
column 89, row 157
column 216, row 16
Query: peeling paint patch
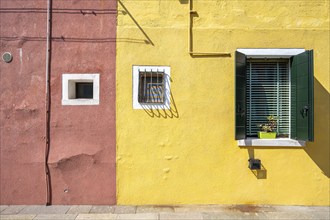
column 21, row 55
column 168, row 157
column 166, row 170
column 25, row 110
column 22, row 41
column 79, row 162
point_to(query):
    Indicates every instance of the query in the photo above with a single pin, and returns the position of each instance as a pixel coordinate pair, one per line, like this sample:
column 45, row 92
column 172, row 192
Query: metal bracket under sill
column 278, row 142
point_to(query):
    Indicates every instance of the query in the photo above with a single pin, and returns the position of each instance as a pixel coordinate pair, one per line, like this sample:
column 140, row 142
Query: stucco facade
column 81, row 155
column 114, row 150
column 188, row 154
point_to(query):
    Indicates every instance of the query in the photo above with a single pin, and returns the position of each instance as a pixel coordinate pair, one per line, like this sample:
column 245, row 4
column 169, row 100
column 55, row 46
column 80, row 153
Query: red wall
column 82, row 138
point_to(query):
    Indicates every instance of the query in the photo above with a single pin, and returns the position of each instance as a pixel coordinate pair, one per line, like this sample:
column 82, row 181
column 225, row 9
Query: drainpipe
column 47, row 135
column 192, row 13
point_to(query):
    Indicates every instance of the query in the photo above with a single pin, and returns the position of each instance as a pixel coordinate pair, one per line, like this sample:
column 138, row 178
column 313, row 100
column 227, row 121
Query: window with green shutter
column 278, row 87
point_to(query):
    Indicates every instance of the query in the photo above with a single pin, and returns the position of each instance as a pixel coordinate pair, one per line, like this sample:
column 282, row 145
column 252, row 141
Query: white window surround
column 167, row 74
column 271, row 53
column 68, row 88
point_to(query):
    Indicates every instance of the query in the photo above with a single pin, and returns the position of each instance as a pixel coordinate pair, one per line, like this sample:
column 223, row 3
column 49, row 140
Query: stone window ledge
column 278, row 142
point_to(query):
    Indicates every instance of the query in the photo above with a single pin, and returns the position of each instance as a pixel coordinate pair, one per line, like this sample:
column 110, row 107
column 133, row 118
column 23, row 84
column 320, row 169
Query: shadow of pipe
column 208, row 55
column 136, row 23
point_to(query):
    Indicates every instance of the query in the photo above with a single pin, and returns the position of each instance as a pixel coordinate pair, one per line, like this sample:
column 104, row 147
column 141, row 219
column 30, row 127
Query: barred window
column 151, row 87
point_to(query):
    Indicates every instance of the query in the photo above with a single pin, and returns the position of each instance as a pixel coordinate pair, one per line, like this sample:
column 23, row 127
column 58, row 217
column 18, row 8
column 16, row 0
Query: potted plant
column 268, row 130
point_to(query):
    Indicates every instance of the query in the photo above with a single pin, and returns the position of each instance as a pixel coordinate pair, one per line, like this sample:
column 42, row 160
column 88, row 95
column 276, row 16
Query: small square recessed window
column 151, row 87
column 80, row 89
column 84, row 90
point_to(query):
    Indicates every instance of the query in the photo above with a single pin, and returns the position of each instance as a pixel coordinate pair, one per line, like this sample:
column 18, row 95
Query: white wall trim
column 270, row 52
column 135, row 75
column 69, row 79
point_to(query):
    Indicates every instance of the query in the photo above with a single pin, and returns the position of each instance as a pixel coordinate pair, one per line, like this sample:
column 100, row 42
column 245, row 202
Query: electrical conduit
column 190, row 37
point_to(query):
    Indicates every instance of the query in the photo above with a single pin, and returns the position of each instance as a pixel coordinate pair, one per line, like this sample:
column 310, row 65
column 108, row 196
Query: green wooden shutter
column 240, row 96
column 302, row 97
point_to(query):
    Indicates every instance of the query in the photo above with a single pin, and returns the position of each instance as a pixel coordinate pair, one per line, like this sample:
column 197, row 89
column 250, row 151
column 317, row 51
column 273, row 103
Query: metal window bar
column 268, row 93
column 151, row 87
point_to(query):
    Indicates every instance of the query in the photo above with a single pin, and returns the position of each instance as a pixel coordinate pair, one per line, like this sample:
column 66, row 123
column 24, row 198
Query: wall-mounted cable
column 47, row 107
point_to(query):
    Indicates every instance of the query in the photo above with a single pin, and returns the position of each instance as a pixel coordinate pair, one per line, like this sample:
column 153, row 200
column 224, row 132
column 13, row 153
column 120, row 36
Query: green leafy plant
column 270, row 126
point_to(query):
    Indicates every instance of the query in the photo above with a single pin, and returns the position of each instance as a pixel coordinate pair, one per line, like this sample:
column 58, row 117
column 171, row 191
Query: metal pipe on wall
column 190, row 37
column 47, row 104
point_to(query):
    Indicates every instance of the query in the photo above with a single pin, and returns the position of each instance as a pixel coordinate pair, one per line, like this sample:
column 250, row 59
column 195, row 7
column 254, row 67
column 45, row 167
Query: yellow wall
column 192, row 157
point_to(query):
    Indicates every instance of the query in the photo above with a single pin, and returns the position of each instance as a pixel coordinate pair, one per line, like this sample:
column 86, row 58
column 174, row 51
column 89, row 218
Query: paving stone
column 200, row 208
column 13, row 209
column 3, row 207
column 17, row 217
column 290, row 215
column 76, row 209
column 232, row 215
column 302, row 208
column 180, row 216
column 102, row 209
column 321, row 215
column 42, row 209
column 138, row 216
column 55, row 217
column 321, row 209
column 96, row 217
column 250, row 208
column 152, row 209
column 122, row 209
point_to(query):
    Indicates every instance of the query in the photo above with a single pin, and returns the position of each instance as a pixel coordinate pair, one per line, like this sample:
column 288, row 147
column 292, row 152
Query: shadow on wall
column 259, row 174
column 319, row 150
column 126, row 12
column 184, row 1
column 172, row 112
column 74, row 11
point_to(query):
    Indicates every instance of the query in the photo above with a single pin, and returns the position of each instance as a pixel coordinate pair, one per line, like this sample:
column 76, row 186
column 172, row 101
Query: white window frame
column 167, row 97
column 68, row 88
column 269, row 54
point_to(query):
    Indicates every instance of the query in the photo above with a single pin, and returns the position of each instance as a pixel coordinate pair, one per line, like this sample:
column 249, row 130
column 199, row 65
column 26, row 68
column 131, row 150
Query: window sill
column 278, row 142
column 80, row 102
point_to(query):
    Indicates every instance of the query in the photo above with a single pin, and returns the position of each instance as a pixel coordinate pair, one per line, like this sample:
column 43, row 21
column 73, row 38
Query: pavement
column 180, row 212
